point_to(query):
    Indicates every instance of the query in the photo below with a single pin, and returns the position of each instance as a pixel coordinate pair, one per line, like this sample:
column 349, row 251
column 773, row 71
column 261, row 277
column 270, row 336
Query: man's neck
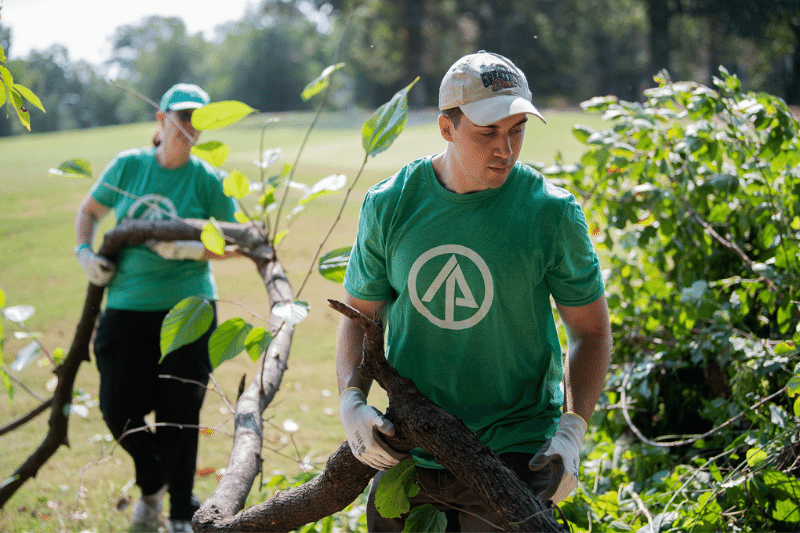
column 171, row 159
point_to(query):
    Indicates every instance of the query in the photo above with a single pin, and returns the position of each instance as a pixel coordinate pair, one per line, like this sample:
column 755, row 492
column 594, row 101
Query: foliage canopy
column 694, row 198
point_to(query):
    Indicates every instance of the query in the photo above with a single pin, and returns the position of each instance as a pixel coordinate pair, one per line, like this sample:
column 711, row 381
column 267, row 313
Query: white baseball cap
column 487, row 87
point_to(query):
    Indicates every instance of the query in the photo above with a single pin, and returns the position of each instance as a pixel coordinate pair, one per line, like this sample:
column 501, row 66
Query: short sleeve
column 574, row 278
column 366, row 277
column 111, row 175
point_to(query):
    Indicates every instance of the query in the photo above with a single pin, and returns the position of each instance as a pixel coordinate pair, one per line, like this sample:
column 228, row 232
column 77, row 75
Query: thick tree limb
column 421, row 423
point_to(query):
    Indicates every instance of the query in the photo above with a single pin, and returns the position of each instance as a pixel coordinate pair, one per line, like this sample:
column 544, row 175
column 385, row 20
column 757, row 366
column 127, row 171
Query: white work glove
column 559, row 459
column 177, row 249
column 98, row 269
column 363, row 425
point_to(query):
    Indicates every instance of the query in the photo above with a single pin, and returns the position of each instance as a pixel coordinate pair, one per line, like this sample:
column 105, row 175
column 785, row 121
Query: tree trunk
column 658, row 13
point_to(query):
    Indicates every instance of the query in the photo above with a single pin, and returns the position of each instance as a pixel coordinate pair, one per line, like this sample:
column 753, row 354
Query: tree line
column 571, row 50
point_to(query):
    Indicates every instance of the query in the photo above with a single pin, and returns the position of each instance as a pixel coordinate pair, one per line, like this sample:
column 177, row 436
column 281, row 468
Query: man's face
column 483, row 156
column 172, row 122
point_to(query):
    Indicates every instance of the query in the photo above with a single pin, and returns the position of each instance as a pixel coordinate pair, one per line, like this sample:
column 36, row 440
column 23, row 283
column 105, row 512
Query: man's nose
column 504, row 148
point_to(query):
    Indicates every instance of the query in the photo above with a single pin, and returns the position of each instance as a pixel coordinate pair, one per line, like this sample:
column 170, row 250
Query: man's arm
column 588, row 355
column 363, row 424
column 350, row 343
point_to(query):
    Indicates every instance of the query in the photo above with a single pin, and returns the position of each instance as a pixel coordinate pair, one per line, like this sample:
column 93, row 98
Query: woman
column 155, row 183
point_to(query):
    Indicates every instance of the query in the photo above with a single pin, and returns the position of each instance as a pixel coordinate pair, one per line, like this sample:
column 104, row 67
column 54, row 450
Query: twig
column 24, row 419
column 641, row 506
column 725, row 242
column 16, row 380
column 311, row 127
column 624, row 401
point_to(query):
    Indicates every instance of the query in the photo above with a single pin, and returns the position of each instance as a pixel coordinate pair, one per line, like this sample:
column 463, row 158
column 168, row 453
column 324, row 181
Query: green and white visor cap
column 487, row 87
column 184, row 96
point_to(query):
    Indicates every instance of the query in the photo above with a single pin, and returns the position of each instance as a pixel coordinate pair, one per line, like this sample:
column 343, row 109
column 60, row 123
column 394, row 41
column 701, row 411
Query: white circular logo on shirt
column 451, row 280
column 152, row 207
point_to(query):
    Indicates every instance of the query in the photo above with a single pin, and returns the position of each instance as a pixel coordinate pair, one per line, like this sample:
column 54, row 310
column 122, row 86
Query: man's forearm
column 585, row 373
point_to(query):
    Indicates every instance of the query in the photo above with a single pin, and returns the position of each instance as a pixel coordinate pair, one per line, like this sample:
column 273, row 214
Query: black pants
column 127, row 349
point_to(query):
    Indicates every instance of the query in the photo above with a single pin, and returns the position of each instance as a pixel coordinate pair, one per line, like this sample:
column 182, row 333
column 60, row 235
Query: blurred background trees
column 571, row 50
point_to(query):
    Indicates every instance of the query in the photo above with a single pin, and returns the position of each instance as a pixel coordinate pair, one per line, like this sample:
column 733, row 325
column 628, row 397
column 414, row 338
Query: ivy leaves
column 392, row 499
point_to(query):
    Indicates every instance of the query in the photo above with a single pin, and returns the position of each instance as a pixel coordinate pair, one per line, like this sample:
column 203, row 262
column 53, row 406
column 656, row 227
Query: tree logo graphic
column 450, row 286
column 152, row 207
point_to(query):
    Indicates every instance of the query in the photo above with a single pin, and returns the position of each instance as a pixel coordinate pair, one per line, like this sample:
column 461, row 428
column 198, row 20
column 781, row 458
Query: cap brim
column 180, row 106
column 490, row 110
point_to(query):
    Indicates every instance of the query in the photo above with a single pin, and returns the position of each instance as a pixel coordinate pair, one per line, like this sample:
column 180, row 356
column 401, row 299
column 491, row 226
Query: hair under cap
column 487, row 87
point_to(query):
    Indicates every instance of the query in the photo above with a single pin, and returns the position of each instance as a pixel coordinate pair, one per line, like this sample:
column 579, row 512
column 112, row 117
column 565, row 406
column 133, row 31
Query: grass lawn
column 87, row 486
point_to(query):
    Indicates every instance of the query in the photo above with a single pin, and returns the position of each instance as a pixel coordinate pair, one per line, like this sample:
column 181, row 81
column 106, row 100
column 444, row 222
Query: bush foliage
column 694, row 199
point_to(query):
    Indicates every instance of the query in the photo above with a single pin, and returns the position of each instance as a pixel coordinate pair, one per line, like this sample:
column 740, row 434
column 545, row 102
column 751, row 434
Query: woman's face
column 177, row 131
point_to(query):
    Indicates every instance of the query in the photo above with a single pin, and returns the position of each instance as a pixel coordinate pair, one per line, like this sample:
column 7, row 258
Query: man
column 461, row 252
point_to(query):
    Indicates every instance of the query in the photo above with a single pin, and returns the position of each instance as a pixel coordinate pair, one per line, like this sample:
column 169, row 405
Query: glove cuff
column 574, row 424
column 82, row 247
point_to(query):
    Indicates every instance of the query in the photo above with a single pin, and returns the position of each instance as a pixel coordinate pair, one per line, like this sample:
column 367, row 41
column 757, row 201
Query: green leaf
column 426, row 519
column 292, row 313
column 324, row 187
column 280, row 235
column 215, row 152
column 74, row 168
column 213, row 238
column 8, row 83
column 2, row 298
column 756, row 456
column 29, row 96
column 228, row 340
column 257, row 342
column 582, row 133
column 395, row 487
column 383, row 127
column 333, row 265
column 793, row 387
column 321, row 83
column 22, row 111
column 185, row 323
column 8, row 384
column 236, row 185
column 220, row 114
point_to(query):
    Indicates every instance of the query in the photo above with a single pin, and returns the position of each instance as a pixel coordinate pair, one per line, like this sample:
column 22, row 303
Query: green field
column 85, row 487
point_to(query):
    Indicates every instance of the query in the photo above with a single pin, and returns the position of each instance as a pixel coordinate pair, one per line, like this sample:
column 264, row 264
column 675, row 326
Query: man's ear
column 446, row 128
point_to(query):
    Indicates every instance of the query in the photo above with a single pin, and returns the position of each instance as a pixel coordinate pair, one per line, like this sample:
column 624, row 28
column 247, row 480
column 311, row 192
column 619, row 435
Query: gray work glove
column 98, row 269
column 559, row 459
column 177, row 249
column 363, row 425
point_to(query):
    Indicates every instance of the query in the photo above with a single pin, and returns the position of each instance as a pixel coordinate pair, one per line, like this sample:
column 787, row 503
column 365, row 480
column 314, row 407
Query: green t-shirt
column 144, row 281
column 468, row 280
